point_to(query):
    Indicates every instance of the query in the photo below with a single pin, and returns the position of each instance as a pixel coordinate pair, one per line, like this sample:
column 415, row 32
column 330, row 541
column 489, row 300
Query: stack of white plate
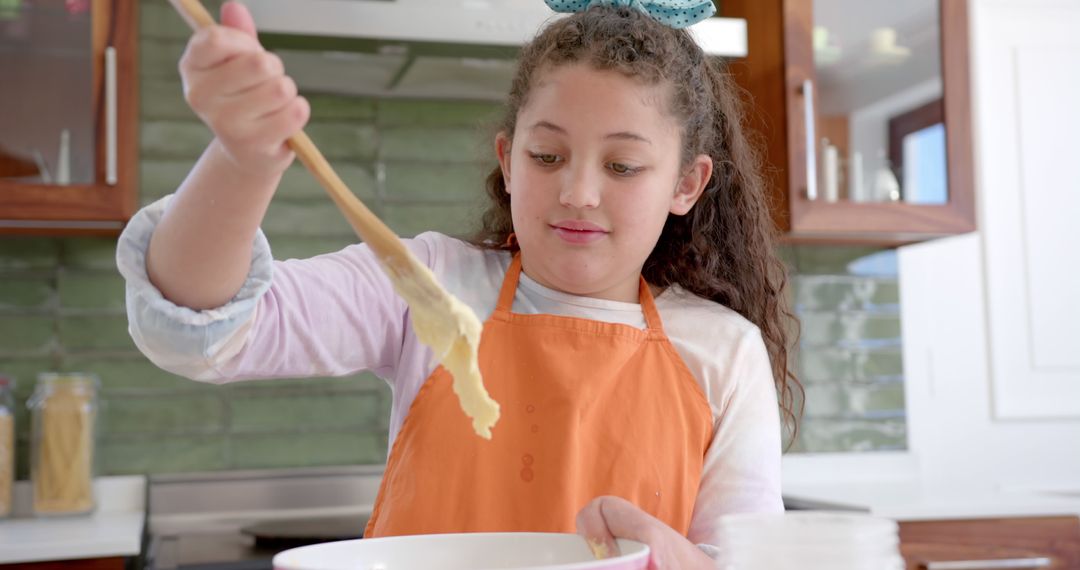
column 809, row 540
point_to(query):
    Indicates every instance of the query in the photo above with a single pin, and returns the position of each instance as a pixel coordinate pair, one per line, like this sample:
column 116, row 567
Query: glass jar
column 7, row 444
column 63, row 412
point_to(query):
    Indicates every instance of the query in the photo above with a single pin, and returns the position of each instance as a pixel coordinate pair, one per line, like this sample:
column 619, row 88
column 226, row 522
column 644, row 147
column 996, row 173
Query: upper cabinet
column 68, row 115
column 864, row 110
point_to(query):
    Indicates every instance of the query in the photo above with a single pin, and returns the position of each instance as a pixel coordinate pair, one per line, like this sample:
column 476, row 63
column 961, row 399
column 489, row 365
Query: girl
column 633, row 306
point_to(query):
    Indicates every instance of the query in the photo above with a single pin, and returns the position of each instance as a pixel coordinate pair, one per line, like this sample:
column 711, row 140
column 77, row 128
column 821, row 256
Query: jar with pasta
column 63, row 417
column 7, row 445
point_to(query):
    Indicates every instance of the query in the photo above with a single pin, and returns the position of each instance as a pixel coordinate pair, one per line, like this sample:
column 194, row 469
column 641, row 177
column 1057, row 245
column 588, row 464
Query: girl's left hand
column 607, row 518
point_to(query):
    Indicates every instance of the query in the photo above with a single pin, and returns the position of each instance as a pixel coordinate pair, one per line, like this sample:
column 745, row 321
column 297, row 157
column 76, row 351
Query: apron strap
column 509, row 285
column 648, row 308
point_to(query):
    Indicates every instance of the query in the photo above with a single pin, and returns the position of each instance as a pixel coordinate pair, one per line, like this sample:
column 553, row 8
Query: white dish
column 472, row 551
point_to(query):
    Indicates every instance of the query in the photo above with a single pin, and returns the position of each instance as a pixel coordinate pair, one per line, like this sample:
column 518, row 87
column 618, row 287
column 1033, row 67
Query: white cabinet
column 1027, row 87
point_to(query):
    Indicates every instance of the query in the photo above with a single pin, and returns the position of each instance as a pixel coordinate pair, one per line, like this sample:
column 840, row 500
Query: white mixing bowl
column 472, row 551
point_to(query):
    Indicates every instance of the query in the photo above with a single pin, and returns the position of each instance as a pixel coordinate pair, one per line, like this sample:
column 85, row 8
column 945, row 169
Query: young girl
column 633, row 305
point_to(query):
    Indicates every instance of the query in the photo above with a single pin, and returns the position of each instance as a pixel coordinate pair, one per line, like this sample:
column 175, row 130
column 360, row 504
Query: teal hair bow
column 672, row 13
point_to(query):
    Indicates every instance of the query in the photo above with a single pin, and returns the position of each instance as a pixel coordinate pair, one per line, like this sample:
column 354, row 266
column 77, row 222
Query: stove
column 239, row 520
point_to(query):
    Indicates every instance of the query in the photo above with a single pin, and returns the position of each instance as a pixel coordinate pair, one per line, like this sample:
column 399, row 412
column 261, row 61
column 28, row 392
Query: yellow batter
column 452, row 330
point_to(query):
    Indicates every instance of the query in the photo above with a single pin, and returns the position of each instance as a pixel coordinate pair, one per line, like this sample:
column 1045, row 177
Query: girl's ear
column 691, row 184
column 502, row 150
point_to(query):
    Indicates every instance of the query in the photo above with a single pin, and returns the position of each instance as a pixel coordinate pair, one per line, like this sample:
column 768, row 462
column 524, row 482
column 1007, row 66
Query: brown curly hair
column 723, row 249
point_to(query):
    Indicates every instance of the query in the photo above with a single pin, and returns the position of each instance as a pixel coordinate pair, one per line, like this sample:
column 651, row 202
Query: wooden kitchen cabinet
column 115, row 563
column 863, row 106
column 1036, row 542
column 68, row 115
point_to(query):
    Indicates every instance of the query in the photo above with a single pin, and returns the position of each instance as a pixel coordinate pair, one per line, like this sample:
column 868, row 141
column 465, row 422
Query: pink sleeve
column 330, row 315
column 742, row 466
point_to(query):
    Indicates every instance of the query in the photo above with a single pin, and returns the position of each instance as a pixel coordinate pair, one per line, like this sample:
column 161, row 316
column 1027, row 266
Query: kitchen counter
column 914, row 500
column 115, row 529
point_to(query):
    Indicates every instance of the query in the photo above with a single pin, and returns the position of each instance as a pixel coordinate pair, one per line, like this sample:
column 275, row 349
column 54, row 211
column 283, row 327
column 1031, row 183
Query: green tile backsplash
column 420, row 165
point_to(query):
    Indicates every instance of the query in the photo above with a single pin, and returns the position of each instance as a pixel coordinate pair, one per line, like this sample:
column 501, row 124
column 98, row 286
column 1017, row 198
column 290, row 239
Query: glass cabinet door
column 48, row 107
column 881, row 135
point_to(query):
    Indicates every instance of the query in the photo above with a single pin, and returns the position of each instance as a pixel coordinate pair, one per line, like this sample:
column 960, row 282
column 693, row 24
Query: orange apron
column 587, row 409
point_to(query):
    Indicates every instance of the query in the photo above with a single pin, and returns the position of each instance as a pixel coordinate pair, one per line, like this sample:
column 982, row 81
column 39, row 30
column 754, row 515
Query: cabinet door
column 865, row 108
column 1029, row 79
column 68, row 114
column 1015, row 543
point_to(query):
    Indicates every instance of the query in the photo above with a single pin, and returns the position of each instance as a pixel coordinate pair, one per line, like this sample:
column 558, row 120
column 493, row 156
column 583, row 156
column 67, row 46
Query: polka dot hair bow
column 672, row 13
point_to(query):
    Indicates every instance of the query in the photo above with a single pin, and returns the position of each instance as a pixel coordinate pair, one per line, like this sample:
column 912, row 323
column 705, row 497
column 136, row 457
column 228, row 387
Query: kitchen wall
column 418, row 165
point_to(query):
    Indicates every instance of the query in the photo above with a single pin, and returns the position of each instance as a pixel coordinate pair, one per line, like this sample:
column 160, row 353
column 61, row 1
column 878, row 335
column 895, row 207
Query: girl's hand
column 607, row 518
column 242, row 93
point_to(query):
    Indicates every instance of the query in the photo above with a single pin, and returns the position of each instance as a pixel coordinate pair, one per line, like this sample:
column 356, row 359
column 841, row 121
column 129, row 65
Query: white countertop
column 914, row 500
column 115, row 529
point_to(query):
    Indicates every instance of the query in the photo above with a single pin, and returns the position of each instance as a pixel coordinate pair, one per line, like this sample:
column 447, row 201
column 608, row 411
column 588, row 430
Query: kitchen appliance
column 238, row 520
column 449, row 49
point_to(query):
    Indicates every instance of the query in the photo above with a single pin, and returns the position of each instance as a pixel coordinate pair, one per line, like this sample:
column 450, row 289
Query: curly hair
column 724, row 248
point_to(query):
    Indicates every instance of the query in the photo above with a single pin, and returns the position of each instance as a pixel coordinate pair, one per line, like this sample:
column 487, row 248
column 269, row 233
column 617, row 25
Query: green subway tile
column 342, row 140
column 180, row 139
column 83, row 290
column 410, row 220
column 305, row 412
column 305, row 218
column 437, row 113
column 787, row 254
column 870, row 365
column 299, row 183
column 333, row 107
column 887, row 292
column 89, row 253
column 848, row 329
column 309, row 449
column 412, row 181
column 163, row 455
column 301, row 247
column 819, row 364
column 164, row 99
column 853, row 400
column 164, row 415
column 834, row 436
column 828, row 293
column 434, row 144
column 837, row 292
column 364, row 381
column 25, row 371
column 160, row 177
column 822, row 259
column 106, row 332
column 159, row 59
column 25, row 334
column 131, row 375
column 28, row 253
column 25, row 292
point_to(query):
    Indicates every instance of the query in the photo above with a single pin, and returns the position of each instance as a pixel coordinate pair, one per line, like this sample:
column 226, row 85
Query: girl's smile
column 579, row 231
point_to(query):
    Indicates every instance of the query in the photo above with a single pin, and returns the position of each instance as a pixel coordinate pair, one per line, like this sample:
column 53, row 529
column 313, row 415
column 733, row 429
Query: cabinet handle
column 110, row 116
column 811, row 147
column 1002, row 564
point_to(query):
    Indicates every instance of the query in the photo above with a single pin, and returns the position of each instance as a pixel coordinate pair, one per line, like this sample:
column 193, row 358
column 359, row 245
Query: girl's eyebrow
column 621, row 135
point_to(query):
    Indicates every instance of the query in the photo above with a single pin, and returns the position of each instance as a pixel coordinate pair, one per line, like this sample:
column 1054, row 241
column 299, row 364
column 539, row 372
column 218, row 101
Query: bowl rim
column 641, row 550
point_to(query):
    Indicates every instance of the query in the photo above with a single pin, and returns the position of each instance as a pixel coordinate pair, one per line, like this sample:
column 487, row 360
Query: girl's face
column 593, row 171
